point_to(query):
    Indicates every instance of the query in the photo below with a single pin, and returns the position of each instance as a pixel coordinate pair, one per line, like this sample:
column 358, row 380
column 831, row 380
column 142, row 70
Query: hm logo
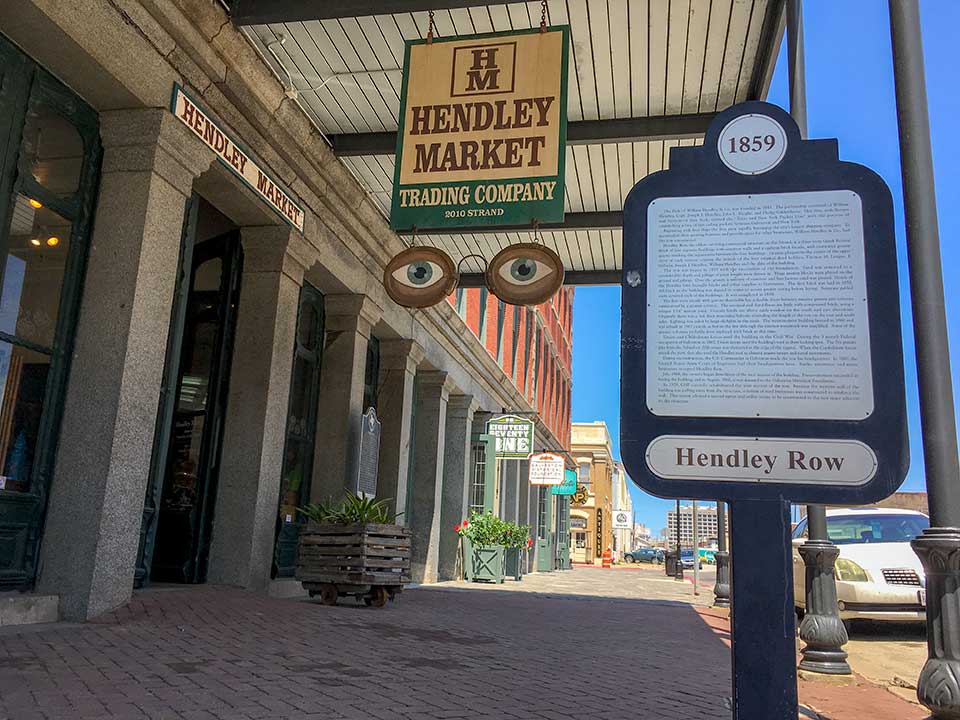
column 483, row 69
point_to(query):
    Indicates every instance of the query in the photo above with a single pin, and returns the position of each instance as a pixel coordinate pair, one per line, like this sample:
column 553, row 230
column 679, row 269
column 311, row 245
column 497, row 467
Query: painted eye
column 421, row 274
column 420, row 277
column 524, row 270
column 525, row 274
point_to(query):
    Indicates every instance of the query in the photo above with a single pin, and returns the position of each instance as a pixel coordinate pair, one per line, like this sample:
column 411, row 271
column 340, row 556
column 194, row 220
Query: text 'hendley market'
column 490, row 153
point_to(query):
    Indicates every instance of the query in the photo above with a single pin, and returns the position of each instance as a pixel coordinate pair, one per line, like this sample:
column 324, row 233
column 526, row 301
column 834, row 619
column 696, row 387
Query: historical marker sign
column 622, row 520
column 483, row 125
column 761, row 351
column 514, row 436
column 546, row 469
column 369, row 452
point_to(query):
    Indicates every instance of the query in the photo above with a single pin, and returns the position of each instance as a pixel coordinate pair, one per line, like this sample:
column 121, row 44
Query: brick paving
column 583, row 644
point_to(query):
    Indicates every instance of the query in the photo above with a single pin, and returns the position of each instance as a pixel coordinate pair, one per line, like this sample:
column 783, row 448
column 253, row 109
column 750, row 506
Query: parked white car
column 879, row 577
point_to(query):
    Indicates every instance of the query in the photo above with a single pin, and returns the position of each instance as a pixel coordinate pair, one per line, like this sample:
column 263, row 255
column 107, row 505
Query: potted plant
column 353, row 548
column 516, row 539
column 481, row 544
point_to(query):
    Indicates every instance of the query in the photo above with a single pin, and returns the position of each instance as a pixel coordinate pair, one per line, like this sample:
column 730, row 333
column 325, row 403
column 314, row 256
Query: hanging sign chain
column 543, row 16
column 537, row 235
column 430, row 28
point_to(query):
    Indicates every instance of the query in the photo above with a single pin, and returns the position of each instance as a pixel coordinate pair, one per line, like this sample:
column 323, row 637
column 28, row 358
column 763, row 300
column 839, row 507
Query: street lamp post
column 821, row 629
column 696, row 552
column 678, row 565
column 721, row 590
column 939, row 546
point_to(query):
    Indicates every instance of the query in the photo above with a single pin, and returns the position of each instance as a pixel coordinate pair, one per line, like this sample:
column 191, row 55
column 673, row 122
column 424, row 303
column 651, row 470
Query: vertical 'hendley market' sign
column 234, row 157
column 483, row 126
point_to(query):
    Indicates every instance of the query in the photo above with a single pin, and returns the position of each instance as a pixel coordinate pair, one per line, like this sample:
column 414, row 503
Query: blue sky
column 850, row 96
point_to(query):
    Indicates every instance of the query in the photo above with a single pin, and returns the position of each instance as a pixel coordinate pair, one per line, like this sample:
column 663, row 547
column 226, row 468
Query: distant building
column 622, row 537
column 591, row 510
column 641, row 532
column 706, row 525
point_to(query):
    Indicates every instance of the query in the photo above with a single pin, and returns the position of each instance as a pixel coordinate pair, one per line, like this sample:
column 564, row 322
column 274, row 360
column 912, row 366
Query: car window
column 854, row 529
column 800, row 531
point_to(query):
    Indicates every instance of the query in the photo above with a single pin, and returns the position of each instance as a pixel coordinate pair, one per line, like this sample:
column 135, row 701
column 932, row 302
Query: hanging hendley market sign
column 514, row 436
column 483, row 125
column 234, row 157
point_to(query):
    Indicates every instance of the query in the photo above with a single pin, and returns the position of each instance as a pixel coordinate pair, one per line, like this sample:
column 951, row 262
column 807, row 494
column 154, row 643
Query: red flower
column 465, row 523
column 456, row 529
column 529, row 542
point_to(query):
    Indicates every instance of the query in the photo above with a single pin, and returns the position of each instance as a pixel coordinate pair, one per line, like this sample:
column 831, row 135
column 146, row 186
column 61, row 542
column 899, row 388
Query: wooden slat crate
column 354, row 554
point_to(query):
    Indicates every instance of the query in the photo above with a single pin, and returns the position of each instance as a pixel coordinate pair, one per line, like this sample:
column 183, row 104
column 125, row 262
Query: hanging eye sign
column 525, row 274
column 420, row 277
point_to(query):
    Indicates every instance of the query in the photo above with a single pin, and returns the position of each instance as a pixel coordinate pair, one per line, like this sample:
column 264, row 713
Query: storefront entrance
column 178, row 516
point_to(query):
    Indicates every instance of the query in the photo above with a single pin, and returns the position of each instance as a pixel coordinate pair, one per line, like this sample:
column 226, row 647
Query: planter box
column 482, row 562
column 354, row 555
column 512, row 563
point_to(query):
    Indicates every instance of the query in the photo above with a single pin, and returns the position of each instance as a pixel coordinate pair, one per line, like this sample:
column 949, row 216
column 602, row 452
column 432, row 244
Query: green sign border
column 515, row 213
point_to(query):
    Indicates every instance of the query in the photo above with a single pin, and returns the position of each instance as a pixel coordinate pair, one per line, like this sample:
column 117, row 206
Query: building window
column 48, row 170
column 516, row 339
column 501, row 316
column 583, row 474
column 371, row 374
column 531, row 320
column 482, row 325
column 478, row 479
column 461, row 302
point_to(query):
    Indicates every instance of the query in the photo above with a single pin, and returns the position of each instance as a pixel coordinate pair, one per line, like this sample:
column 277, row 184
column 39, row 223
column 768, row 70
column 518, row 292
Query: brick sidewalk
column 203, row 653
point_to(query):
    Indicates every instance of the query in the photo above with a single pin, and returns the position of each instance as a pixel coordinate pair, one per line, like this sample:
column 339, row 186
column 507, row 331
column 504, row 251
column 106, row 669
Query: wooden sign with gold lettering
column 482, row 136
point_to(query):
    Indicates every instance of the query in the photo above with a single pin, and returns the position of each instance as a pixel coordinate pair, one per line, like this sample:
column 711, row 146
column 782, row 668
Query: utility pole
column 938, row 546
column 821, row 628
column 696, row 552
column 721, row 590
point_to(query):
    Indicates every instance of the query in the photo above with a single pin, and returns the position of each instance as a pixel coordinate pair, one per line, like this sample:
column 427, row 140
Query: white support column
column 399, row 360
column 456, row 479
column 92, row 528
column 348, row 321
column 254, row 430
column 424, row 512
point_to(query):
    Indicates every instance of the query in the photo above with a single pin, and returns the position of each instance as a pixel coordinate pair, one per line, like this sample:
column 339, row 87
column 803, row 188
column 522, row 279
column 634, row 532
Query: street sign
column 621, row 520
column 569, row 484
column 546, row 469
column 761, row 357
column 514, row 436
column 761, row 350
column 482, row 130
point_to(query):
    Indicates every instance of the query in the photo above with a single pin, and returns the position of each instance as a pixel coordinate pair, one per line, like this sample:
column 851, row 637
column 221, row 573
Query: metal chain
column 430, row 28
column 537, row 235
column 543, row 16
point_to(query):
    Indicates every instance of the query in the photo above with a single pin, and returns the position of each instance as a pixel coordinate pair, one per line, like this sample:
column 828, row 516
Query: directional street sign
column 761, row 357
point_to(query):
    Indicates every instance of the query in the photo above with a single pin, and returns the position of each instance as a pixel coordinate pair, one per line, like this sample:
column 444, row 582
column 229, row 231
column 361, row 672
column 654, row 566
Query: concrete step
column 18, row 608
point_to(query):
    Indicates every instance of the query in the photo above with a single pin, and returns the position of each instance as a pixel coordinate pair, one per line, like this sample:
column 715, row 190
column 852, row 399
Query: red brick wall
column 555, row 320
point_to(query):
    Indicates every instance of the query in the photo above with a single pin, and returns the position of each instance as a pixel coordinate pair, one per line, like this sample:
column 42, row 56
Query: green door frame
column 26, row 90
column 300, row 430
column 544, row 536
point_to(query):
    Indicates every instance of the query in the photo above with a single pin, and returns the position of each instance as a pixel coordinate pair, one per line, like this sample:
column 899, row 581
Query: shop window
column 371, row 374
column 583, row 474
column 49, row 162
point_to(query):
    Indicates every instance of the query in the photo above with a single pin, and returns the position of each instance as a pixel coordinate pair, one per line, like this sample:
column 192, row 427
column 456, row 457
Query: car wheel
column 629, row 559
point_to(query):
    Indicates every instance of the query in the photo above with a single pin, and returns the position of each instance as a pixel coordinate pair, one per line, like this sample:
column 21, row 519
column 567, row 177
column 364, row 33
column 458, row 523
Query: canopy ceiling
column 646, row 76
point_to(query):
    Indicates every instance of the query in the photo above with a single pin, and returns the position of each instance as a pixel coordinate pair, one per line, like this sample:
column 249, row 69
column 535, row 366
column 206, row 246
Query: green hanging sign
column 569, row 485
column 482, row 130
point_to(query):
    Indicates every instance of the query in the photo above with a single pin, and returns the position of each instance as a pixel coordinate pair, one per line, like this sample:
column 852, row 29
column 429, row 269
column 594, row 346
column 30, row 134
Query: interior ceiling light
column 35, row 242
column 35, row 204
column 53, row 241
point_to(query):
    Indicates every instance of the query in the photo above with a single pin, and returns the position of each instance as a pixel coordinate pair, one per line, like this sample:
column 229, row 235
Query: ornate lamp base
column 721, row 591
column 821, row 628
column 939, row 685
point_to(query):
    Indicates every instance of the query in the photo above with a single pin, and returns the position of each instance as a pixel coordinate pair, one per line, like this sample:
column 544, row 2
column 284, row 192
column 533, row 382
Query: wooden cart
column 370, row 562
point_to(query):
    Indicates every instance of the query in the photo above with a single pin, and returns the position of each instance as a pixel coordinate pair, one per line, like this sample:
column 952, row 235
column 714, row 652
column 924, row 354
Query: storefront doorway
column 183, row 486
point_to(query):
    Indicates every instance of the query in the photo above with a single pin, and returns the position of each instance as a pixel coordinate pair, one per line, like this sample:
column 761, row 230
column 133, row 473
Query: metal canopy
column 647, row 76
